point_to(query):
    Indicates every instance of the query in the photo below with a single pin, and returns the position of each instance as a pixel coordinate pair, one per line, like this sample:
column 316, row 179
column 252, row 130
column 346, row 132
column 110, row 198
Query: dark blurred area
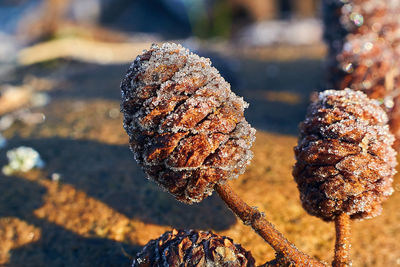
column 236, row 23
column 41, row 19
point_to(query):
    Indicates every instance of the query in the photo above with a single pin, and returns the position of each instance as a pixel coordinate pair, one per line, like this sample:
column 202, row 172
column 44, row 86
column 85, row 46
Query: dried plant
column 188, row 133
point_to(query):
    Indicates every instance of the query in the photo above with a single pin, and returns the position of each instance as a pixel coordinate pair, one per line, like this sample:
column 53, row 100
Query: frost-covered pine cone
column 361, row 57
column 186, row 127
column 351, row 17
column 193, row 248
column 345, row 160
column 363, row 37
column 365, row 63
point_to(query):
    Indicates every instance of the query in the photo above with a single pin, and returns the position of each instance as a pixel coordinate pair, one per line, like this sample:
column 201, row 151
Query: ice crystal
column 22, row 159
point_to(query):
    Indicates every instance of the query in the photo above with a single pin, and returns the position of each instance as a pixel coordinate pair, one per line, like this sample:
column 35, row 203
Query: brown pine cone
column 350, row 17
column 363, row 37
column 345, row 160
column 193, row 248
column 186, row 127
column 366, row 64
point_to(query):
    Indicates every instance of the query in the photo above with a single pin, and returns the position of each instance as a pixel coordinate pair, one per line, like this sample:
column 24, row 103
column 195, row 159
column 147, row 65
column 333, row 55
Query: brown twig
column 342, row 246
column 254, row 218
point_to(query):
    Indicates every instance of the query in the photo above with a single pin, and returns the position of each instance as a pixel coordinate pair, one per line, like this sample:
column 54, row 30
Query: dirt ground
column 102, row 210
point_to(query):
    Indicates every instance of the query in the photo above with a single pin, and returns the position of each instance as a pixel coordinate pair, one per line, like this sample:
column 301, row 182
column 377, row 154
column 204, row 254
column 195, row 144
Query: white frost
column 22, row 159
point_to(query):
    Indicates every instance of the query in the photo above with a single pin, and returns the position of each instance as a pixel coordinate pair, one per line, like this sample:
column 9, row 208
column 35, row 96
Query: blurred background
column 114, row 32
column 34, row 20
column 71, row 193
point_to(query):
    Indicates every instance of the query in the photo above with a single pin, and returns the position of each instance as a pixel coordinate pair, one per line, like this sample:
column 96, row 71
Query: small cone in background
column 193, row 248
column 186, row 127
column 366, row 64
column 345, row 160
column 363, row 37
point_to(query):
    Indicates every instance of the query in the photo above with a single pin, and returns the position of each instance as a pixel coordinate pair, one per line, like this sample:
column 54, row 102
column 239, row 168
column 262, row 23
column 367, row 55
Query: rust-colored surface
column 343, row 241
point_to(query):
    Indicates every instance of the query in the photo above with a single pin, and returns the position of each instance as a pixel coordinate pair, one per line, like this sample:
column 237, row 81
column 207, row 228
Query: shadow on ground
column 278, row 91
column 60, row 247
column 109, row 173
column 56, row 246
column 19, row 197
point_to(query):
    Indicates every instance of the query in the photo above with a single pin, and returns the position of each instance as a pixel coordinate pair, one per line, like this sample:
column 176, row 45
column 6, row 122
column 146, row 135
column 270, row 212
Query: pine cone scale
column 184, row 156
column 220, row 121
column 173, row 92
column 367, row 167
column 162, row 106
column 160, row 112
column 140, row 76
column 148, row 80
column 162, row 147
column 195, row 109
column 310, row 173
column 326, row 152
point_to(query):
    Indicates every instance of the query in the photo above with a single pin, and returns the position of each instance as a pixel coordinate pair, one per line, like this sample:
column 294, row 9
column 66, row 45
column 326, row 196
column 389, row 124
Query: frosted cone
column 193, row 248
column 186, row 127
column 363, row 37
column 345, row 160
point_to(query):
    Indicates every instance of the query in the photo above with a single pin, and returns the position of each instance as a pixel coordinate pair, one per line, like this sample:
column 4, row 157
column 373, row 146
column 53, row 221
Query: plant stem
column 254, row 218
column 342, row 246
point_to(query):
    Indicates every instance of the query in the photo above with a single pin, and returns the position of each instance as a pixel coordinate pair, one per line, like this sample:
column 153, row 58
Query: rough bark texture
column 193, row 248
column 186, row 128
column 345, row 160
column 363, row 37
column 343, row 241
column 287, row 252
